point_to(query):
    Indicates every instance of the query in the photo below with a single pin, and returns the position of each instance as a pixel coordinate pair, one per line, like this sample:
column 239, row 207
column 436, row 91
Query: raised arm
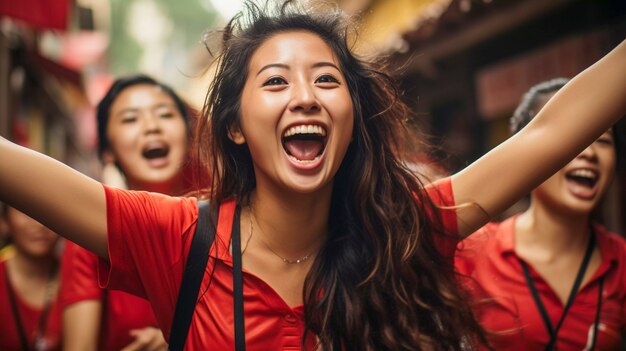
column 59, row 197
column 578, row 114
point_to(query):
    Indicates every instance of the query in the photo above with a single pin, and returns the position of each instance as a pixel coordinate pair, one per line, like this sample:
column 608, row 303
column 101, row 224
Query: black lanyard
column 240, row 332
column 553, row 332
column 43, row 319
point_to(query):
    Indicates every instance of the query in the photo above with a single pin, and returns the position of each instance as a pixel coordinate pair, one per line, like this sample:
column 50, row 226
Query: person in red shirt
column 142, row 131
column 29, row 284
column 305, row 147
column 549, row 278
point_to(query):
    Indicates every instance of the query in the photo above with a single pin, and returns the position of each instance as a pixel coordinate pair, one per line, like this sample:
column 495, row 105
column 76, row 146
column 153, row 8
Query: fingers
column 146, row 339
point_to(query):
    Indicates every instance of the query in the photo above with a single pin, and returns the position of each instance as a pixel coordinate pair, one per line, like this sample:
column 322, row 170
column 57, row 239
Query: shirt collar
column 505, row 235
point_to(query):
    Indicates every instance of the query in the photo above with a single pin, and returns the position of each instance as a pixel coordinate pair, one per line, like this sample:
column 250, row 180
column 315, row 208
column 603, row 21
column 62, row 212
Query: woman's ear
column 235, row 134
column 111, row 173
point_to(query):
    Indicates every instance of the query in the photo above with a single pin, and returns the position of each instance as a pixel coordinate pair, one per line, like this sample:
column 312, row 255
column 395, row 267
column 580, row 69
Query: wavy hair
column 379, row 282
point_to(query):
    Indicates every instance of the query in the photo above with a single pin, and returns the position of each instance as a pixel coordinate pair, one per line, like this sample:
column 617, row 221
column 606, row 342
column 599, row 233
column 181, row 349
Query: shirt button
column 290, row 318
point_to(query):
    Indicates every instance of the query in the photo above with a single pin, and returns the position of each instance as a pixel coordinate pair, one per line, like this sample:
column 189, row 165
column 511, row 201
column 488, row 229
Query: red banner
column 37, row 13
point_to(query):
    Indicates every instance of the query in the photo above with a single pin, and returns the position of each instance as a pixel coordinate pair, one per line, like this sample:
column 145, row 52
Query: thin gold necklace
column 284, row 259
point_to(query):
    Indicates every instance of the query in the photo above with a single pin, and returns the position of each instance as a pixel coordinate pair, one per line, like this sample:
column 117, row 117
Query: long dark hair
column 379, row 282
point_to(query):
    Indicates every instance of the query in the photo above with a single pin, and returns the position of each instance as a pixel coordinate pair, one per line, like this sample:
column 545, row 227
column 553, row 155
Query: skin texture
column 295, row 80
column 142, row 116
column 568, row 123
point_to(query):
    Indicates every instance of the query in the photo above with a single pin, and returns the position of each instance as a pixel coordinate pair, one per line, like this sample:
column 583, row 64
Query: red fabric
column 38, row 13
column 121, row 312
column 9, row 337
column 442, row 196
column 504, row 305
column 149, row 236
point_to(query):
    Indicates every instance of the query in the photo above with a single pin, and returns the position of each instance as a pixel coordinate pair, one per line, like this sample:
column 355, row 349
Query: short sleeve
column 148, row 236
column 78, row 276
column 442, row 196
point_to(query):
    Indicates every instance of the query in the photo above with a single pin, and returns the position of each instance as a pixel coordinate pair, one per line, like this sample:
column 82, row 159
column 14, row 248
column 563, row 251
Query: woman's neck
column 32, row 267
column 549, row 233
column 172, row 187
column 294, row 225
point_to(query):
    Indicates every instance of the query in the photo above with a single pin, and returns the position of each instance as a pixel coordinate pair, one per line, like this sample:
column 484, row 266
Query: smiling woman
column 142, row 128
column 576, row 284
column 323, row 238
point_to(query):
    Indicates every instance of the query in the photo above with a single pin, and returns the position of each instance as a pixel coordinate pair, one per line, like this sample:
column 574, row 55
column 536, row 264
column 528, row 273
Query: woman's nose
column 589, row 153
column 303, row 98
column 152, row 123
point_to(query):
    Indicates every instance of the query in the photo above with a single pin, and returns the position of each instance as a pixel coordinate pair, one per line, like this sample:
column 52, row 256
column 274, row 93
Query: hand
column 146, row 339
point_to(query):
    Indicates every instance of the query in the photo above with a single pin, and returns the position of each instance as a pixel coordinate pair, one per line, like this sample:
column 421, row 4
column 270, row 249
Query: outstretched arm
column 59, row 197
column 578, row 114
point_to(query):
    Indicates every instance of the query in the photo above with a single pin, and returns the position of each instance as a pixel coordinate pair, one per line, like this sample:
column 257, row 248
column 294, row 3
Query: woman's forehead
column 291, row 48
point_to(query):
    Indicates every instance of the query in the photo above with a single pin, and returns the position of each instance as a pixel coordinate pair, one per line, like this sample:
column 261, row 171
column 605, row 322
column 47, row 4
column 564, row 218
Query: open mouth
column 155, row 150
column 304, row 143
column 583, row 177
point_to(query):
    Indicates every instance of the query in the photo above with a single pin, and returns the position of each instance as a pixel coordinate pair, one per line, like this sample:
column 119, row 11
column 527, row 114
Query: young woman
column 549, row 278
column 337, row 239
column 29, row 283
column 142, row 130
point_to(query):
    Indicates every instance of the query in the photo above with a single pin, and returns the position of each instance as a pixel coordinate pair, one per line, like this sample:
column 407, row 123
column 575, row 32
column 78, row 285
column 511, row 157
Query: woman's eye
column 166, row 115
column 606, row 141
column 326, row 78
column 129, row 119
column 275, row 81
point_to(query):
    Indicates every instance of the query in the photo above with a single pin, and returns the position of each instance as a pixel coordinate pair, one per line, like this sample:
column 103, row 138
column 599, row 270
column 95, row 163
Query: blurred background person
column 142, row 132
column 551, row 278
column 29, row 284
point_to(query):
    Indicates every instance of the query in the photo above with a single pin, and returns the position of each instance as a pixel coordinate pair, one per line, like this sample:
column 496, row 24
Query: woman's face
column 147, row 136
column 580, row 185
column 296, row 113
column 29, row 236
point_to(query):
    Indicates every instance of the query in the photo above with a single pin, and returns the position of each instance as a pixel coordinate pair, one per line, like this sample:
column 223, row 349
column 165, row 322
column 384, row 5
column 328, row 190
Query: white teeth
column 305, row 129
column 583, row 173
column 303, row 161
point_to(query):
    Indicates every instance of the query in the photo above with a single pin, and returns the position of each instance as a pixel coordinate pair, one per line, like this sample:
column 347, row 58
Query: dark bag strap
column 192, row 277
column 240, row 332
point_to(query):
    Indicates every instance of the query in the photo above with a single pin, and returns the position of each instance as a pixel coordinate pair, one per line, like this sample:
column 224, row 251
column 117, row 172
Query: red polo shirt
column 149, row 237
column 504, row 305
column 121, row 312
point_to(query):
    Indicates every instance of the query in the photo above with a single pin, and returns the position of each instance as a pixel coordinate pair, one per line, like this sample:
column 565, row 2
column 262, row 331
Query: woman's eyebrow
column 279, row 65
column 325, row 64
column 126, row 110
column 285, row 66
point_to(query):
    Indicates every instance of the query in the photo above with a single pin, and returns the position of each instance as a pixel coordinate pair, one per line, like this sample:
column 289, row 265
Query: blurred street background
column 463, row 64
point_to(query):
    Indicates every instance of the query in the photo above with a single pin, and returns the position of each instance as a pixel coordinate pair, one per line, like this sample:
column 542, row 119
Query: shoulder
column 123, row 197
column 440, row 192
column 492, row 232
column 126, row 209
column 492, row 239
column 611, row 243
